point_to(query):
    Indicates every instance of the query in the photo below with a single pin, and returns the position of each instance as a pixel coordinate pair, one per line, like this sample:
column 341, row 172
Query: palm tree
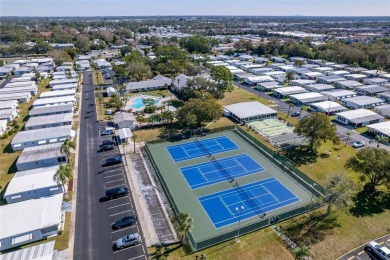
column 133, row 138
column 67, row 146
column 348, row 135
column 100, row 99
column 299, row 63
column 63, row 175
column 183, row 224
column 289, row 76
column 339, row 191
column 289, row 107
column 379, row 139
column 300, row 253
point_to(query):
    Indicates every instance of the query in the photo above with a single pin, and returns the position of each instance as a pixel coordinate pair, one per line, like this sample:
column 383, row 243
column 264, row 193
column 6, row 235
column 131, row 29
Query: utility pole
column 239, row 209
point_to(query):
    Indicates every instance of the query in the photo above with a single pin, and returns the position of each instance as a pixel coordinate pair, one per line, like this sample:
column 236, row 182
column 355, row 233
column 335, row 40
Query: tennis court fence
column 257, row 224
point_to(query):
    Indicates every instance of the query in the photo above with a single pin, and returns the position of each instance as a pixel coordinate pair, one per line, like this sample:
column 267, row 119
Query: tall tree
column 289, row 76
column 339, row 191
column 63, row 175
column 66, row 148
column 379, row 139
column 183, row 224
column 373, row 163
column 133, row 138
column 317, row 128
column 290, row 105
column 223, row 77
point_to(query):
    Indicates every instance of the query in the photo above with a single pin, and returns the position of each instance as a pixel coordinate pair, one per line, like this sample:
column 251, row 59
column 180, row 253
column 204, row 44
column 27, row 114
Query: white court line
column 271, row 193
column 226, row 206
column 130, row 210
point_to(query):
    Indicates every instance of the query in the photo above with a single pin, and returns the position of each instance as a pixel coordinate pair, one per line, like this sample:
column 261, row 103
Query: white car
column 358, row 144
column 381, row 251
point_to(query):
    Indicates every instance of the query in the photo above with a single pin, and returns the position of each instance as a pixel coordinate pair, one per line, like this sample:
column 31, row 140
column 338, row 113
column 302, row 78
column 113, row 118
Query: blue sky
column 194, row 7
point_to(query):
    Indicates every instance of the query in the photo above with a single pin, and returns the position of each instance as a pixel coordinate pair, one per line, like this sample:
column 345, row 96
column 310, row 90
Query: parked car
column 130, row 240
column 113, row 160
column 116, row 192
column 124, row 222
column 358, row 144
column 107, row 142
column 295, row 114
column 107, row 147
column 108, row 131
column 381, row 251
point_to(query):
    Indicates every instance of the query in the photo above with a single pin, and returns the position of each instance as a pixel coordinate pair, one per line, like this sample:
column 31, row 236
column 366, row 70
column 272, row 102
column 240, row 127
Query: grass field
column 7, row 157
column 262, row 244
column 97, row 78
column 241, row 95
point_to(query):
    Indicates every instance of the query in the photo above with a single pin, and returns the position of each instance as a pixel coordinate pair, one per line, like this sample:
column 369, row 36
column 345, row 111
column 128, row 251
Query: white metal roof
column 124, row 133
column 383, row 127
column 289, row 90
column 42, row 134
column 46, row 101
column 32, row 180
column 58, row 93
column 42, row 152
column 357, row 113
column 30, row 215
column 363, row 100
column 249, row 109
column 50, row 119
column 325, row 105
column 308, row 95
column 339, row 93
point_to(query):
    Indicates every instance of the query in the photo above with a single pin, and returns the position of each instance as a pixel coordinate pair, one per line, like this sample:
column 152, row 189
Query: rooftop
column 249, row 109
column 308, row 95
column 44, row 101
column 42, row 134
column 50, row 109
column 149, row 84
column 363, row 100
column 50, row 119
column 42, row 152
column 383, row 127
column 328, row 105
column 350, row 83
column 30, row 215
column 8, row 104
column 58, row 93
column 287, row 90
column 32, row 180
column 42, row 251
column 357, row 113
column 123, row 116
column 339, row 93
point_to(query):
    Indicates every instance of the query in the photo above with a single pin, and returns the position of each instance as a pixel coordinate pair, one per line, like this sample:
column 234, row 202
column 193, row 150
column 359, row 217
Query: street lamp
column 239, row 209
column 312, row 191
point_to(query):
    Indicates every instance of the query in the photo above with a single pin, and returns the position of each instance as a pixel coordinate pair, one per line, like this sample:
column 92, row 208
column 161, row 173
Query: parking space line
column 120, row 250
column 115, row 175
column 124, row 204
column 136, row 257
column 120, row 213
column 114, row 180
column 362, row 252
column 352, row 257
column 381, row 243
column 115, row 231
column 115, row 186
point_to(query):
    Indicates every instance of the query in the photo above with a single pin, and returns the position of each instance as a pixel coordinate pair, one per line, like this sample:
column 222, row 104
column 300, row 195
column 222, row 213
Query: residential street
column 341, row 130
column 363, row 252
column 94, row 237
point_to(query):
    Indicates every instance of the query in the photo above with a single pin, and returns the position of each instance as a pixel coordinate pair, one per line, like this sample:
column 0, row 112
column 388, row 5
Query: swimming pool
column 138, row 103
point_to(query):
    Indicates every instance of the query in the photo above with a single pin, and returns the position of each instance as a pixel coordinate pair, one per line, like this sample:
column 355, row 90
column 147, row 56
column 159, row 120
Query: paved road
column 94, row 237
column 341, row 130
column 364, row 253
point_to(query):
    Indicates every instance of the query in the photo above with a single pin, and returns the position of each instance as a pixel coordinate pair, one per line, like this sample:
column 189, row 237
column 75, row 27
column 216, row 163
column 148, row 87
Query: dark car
column 113, row 160
column 107, row 147
column 107, row 142
column 116, row 192
column 124, row 222
column 295, row 114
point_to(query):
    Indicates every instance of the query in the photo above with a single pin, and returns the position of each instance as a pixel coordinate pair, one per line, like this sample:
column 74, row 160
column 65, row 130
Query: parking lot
column 114, row 176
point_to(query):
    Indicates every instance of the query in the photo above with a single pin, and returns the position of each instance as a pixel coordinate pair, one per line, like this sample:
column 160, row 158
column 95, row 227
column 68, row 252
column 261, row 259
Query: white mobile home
column 22, row 97
column 3, row 126
column 338, row 94
column 29, row 221
column 32, row 184
column 358, row 117
column 41, row 156
column 51, row 110
column 348, row 84
column 330, row 79
column 49, row 121
column 257, row 79
column 41, row 102
column 267, row 86
column 385, row 96
column 249, row 111
column 33, row 90
column 37, row 137
column 362, row 102
column 58, row 93
column 302, row 82
column 21, row 84
column 124, row 120
column 62, row 82
column 328, row 107
column 61, row 87
column 8, row 114
column 371, row 90
column 288, row 91
column 383, row 110
column 355, row 77
column 380, row 129
column 319, row 87
column 10, row 104
column 158, row 82
column 307, row 98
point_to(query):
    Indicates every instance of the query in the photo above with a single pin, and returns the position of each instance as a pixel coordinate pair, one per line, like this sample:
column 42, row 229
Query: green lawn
column 361, row 130
column 241, row 95
column 97, row 78
column 252, row 246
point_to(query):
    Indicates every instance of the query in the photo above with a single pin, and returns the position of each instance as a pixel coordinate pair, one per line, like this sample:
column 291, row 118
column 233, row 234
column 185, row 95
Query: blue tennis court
column 198, row 148
column 228, row 206
column 215, row 171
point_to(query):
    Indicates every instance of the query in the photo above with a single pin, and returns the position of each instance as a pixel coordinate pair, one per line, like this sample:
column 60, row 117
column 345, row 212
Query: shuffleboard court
column 215, row 171
column 198, row 148
column 242, row 202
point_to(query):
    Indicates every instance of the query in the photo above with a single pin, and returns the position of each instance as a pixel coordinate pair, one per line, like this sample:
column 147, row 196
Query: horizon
column 155, row 8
